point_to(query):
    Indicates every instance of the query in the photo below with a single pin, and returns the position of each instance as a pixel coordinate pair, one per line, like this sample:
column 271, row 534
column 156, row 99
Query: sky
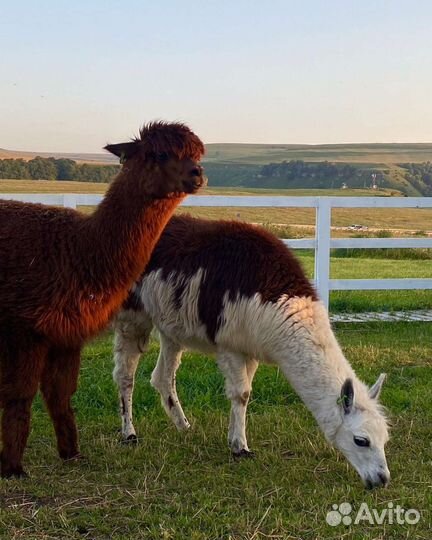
column 75, row 75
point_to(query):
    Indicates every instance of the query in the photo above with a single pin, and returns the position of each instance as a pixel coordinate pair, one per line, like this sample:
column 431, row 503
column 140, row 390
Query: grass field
column 412, row 220
column 50, row 186
column 186, row 486
column 55, row 186
column 408, row 219
column 364, row 268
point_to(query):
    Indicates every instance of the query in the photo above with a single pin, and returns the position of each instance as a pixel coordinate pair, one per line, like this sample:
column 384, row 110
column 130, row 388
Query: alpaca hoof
column 183, row 425
column 13, row 472
column 243, row 453
column 131, row 439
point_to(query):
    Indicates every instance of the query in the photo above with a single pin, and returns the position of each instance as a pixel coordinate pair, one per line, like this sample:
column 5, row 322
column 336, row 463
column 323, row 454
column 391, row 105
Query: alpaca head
column 363, row 432
column 164, row 159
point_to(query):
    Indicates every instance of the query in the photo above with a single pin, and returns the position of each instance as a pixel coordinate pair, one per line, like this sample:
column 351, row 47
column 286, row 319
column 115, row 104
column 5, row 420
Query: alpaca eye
column 361, row 441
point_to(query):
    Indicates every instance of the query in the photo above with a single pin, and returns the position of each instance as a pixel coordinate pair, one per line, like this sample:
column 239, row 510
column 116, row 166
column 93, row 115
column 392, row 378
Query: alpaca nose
column 382, row 480
column 385, row 479
column 196, row 171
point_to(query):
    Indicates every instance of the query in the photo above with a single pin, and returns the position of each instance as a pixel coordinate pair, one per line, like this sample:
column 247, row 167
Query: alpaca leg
column 128, row 347
column 164, row 380
column 59, row 383
column 251, row 367
column 19, row 380
column 238, row 381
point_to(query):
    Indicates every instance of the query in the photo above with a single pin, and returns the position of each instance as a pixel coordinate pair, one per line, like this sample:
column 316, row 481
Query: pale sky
column 77, row 74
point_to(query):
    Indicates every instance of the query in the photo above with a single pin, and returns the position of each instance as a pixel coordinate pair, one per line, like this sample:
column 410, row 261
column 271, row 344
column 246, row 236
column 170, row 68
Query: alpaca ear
column 375, row 390
column 123, row 150
column 347, row 396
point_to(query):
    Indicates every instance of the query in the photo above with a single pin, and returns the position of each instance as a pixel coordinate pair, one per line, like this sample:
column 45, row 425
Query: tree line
column 420, row 176
column 287, row 174
column 296, row 174
column 323, row 174
column 41, row 168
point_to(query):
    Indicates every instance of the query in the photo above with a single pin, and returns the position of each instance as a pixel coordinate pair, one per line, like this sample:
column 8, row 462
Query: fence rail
column 322, row 243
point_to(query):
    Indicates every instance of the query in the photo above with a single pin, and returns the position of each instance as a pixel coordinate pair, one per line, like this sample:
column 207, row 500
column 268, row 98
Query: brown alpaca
column 63, row 275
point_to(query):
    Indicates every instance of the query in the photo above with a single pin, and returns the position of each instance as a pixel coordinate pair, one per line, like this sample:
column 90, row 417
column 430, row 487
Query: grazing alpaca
column 236, row 290
column 63, row 275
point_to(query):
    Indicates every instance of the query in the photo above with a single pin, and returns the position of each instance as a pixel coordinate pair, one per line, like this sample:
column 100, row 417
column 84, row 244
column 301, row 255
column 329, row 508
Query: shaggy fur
column 237, row 291
column 63, row 275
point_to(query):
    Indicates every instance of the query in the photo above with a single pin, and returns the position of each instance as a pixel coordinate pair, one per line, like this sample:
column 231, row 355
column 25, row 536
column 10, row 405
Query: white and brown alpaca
column 235, row 290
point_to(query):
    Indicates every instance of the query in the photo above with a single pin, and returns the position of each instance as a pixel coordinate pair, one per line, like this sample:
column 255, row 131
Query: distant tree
column 14, row 168
column 298, row 174
column 66, row 169
column 42, row 169
column 420, row 176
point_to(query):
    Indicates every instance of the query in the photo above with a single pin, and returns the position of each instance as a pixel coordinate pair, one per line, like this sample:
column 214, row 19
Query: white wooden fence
column 322, row 243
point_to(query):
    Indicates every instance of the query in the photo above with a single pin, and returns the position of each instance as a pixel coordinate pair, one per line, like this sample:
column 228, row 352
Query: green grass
column 178, row 486
column 186, row 486
column 378, row 253
column 363, row 268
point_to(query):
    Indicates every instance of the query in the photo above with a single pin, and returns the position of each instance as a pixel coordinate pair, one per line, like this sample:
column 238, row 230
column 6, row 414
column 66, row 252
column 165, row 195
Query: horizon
column 314, row 74
column 102, row 152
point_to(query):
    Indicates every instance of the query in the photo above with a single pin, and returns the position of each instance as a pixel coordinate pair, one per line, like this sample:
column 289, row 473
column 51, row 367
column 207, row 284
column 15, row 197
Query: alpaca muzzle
column 195, row 183
column 378, row 480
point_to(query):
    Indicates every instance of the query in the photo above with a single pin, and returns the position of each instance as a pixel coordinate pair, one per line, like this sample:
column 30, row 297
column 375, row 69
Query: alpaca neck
column 106, row 252
column 317, row 370
column 123, row 232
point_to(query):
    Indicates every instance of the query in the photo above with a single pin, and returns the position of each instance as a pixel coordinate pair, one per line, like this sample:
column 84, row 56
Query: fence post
column 69, row 200
column 322, row 250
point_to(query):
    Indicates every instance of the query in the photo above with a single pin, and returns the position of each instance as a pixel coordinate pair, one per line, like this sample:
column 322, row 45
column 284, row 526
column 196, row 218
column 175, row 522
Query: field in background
column 103, row 158
column 177, row 486
column 50, row 186
column 57, row 186
column 265, row 153
column 374, row 154
column 409, row 220
column 240, row 164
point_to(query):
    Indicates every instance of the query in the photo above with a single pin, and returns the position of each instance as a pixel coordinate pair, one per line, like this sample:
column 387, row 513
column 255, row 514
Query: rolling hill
column 229, row 164
column 101, row 158
column 265, row 153
column 347, row 153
